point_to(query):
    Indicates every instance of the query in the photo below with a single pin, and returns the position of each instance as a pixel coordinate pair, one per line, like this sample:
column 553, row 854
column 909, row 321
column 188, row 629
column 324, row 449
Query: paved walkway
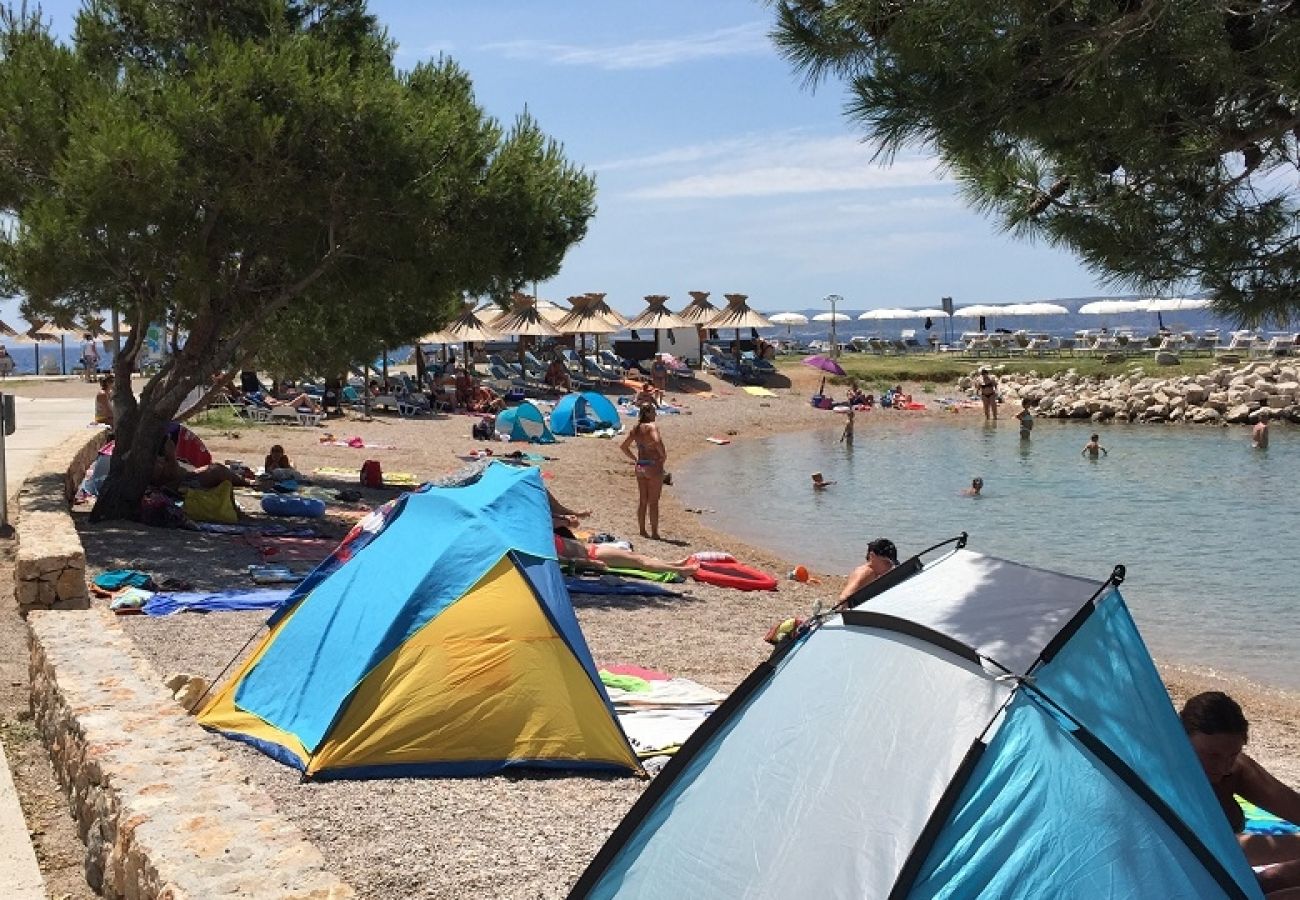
column 41, row 424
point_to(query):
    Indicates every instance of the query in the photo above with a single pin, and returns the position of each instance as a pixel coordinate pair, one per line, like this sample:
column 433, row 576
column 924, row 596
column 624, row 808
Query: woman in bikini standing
column 650, row 458
column 988, row 387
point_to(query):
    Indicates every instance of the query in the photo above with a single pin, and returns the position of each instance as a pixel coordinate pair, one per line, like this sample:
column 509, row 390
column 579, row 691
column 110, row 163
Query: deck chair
column 721, row 366
column 287, row 415
column 535, row 368
column 910, row 342
column 1240, row 343
column 1281, row 345
column 592, row 367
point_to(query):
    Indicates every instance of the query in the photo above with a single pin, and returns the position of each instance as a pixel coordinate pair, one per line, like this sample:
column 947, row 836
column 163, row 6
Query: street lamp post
column 833, row 299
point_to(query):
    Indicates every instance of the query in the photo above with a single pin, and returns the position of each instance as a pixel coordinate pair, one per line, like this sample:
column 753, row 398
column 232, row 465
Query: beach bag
column 215, row 504
column 158, row 511
column 484, row 429
column 372, row 474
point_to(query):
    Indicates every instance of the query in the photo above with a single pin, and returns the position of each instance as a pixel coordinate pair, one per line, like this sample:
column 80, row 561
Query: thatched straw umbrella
column 657, row 317
column 586, row 318
column 524, row 320
column 738, row 315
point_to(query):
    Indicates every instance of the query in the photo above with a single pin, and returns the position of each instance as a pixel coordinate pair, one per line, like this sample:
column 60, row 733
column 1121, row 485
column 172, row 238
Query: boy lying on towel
column 602, row 556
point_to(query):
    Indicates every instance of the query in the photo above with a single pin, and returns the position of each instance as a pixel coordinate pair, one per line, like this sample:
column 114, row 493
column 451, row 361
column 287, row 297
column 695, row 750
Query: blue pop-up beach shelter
column 524, row 422
column 439, row 639
column 975, row 728
column 572, row 409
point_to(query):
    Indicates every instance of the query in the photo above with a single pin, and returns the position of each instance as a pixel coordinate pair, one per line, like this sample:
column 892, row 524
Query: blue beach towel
column 215, row 601
column 611, row 586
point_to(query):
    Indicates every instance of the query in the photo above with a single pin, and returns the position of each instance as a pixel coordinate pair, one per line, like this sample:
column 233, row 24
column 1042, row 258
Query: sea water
column 1206, row 526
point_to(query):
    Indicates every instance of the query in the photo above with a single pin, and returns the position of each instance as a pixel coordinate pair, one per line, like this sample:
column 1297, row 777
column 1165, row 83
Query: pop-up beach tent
column 524, row 422
column 438, row 640
column 572, row 409
column 979, row 728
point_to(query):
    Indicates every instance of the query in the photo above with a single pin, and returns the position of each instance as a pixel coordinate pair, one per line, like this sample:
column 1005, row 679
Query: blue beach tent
column 590, row 406
column 438, row 640
column 975, row 728
column 524, row 422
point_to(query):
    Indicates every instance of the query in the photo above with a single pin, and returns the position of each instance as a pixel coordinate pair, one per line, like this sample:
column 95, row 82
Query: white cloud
column 739, row 40
column 770, row 165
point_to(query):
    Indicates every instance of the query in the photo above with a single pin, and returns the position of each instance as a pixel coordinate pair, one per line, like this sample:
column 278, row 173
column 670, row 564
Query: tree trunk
column 139, row 429
column 137, row 437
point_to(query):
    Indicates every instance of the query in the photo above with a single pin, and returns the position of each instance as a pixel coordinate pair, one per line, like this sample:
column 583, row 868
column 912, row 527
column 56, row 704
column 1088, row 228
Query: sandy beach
column 528, row 836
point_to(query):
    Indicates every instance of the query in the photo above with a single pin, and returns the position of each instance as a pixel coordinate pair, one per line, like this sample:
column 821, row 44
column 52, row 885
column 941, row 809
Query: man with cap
column 988, row 388
column 881, row 557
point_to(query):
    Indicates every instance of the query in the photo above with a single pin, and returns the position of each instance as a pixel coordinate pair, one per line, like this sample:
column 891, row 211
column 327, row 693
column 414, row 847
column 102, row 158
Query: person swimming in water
column 976, row 485
column 1093, row 449
column 820, row 483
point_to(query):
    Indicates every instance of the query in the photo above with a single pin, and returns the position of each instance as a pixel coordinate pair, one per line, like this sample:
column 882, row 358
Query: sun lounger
column 721, row 366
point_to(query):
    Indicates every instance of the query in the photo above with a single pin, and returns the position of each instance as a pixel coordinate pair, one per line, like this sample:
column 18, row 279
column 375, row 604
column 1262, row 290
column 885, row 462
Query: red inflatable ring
column 735, row 575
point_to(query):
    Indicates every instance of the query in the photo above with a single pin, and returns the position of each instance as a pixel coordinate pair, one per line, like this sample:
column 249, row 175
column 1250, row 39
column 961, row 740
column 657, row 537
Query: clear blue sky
column 716, row 168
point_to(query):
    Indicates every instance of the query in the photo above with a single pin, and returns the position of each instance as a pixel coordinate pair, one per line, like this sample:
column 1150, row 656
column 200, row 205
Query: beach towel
column 130, row 601
column 759, row 391
column 718, row 440
column 1261, row 821
column 283, row 549
column 658, row 715
column 215, row 601
column 638, row 671
column 276, row 574
column 391, row 479
column 609, row 585
column 357, row 443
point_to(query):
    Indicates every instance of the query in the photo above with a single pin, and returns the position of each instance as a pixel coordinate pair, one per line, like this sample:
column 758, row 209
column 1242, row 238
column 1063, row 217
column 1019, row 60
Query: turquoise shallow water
column 1206, row 526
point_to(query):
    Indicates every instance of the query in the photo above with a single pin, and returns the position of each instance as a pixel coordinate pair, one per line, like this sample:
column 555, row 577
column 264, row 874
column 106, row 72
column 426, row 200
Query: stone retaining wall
column 50, row 566
column 162, row 810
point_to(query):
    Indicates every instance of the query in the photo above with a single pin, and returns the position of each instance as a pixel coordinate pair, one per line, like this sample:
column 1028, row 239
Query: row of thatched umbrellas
column 49, row 332
column 590, row 314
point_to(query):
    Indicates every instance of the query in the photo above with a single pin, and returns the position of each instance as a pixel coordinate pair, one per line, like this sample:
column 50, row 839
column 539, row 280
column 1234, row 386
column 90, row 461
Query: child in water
column 1026, row 419
column 976, row 485
column 847, row 436
column 1093, row 449
column 820, row 483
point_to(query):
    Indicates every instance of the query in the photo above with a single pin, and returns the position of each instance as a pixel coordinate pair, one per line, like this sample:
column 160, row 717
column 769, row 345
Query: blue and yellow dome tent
column 573, row 408
column 438, row 640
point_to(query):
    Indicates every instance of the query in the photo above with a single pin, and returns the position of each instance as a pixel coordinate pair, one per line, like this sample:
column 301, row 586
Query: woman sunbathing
column 602, row 556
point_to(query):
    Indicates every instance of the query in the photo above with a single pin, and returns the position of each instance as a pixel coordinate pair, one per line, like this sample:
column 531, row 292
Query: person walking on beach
column 650, row 458
column 89, row 358
column 1259, row 434
column 988, row 391
column 1093, row 449
column 882, row 556
column 1218, row 731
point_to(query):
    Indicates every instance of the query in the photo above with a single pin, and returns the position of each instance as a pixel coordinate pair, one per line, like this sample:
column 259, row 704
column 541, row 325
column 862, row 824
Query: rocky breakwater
column 1222, row 396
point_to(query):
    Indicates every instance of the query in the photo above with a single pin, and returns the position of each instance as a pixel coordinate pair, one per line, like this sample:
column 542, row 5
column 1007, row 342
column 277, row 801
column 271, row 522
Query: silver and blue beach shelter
column 972, row 727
